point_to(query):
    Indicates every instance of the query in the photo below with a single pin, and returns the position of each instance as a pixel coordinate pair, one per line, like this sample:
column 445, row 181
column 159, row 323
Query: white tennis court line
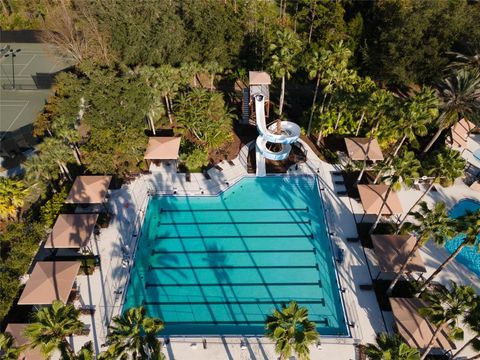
column 20, row 113
column 26, row 65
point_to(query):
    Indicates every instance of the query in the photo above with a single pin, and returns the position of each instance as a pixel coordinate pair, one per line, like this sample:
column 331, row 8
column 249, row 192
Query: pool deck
column 104, row 290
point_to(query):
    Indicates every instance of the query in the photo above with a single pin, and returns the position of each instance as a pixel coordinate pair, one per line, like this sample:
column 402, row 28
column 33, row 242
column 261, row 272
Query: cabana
column 392, row 252
column 49, row 281
column 414, row 328
column 19, row 339
column 357, row 149
column 89, row 189
column 71, row 231
column 162, row 149
column 372, row 197
column 459, row 133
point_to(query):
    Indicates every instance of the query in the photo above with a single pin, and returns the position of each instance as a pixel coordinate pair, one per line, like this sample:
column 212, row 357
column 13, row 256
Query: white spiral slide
column 288, row 134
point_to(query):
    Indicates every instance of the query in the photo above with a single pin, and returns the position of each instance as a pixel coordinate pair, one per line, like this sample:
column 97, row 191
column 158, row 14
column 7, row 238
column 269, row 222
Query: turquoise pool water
column 220, row 264
column 469, row 255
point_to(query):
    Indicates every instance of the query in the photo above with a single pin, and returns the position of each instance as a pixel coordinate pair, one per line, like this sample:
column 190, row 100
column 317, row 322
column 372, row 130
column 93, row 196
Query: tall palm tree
column 134, row 335
column 55, row 150
column 429, row 224
column 52, row 326
column 417, row 113
column 12, row 197
column 284, row 50
column 291, row 330
column 469, row 226
column 8, row 350
column 404, row 170
column 445, row 308
column 460, row 98
column 472, row 320
column 391, row 347
column 445, row 166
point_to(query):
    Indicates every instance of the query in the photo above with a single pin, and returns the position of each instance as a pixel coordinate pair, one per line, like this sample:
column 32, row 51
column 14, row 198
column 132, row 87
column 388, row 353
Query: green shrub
column 50, row 210
column 195, row 159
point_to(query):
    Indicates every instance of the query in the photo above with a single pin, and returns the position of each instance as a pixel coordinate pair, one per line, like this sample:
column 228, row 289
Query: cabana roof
column 162, row 148
column 17, row 332
column 89, row 189
column 460, row 131
column 413, row 327
column 372, row 197
column 357, row 148
column 393, row 250
column 259, row 78
column 49, row 281
column 71, row 231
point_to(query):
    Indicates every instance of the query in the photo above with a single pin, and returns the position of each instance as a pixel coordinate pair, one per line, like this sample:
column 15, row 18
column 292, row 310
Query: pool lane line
column 236, row 222
column 323, row 321
column 234, row 302
column 155, row 252
column 150, row 268
column 315, row 283
column 162, row 210
column 311, row 236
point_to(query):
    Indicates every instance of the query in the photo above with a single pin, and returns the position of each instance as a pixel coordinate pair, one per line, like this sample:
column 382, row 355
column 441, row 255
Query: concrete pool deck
column 104, row 290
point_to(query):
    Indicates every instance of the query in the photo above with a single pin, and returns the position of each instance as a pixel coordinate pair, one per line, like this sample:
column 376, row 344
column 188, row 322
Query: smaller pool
column 476, row 153
column 469, row 256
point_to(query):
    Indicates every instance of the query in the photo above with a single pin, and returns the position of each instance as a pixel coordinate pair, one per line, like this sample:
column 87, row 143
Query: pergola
column 372, row 197
column 357, row 149
column 49, row 281
column 414, row 328
column 392, row 251
column 89, row 189
column 71, row 231
column 19, row 338
column 162, row 148
column 460, row 132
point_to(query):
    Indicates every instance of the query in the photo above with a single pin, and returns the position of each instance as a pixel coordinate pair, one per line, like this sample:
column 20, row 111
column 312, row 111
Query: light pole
column 13, row 53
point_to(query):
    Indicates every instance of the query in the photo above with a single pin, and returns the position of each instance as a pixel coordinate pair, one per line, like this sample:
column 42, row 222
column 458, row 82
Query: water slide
column 288, row 134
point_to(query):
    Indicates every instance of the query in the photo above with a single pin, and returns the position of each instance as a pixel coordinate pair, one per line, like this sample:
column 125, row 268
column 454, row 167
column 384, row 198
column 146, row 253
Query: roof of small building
column 460, row 131
column 357, row 148
column 259, row 78
column 372, row 197
column 392, row 251
column 49, row 281
column 71, row 231
column 19, row 338
column 89, row 189
column 162, row 148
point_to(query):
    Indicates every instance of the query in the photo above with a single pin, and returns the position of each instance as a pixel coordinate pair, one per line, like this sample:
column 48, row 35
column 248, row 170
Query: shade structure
column 392, row 252
column 259, row 78
column 89, row 189
column 357, row 149
column 17, row 332
column 162, row 148
column 460, row 132
column 372, row 197
column 49, row 281
column 71, row 231
column 414, row 328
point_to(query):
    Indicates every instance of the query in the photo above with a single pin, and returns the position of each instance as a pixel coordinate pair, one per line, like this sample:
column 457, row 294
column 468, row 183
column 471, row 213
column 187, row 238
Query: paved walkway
column 104, row 290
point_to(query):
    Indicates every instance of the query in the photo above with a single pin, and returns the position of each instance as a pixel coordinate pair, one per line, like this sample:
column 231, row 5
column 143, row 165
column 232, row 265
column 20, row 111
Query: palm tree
column 12, row 197
column 41, row 171
column 292, row 331
column 285, row 49
column 55, row 150
column 391, row 347
column 472, row 319
column 460, row 98
column 469, row 61
column 445, row 308
column 417, row 113
column 134, row 334
column 8, row 350
column 213, row 68
column 469, row 226
column 52, row 326
column 432, row 224
column 445, row 166
column 404, row 170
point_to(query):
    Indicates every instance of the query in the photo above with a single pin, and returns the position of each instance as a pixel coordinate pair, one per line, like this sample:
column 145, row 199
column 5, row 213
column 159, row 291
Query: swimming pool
column 220, row 264
column 469, row 255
